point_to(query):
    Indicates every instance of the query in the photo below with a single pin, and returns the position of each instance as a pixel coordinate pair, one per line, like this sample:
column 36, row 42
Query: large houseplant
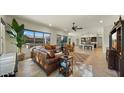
column 16, row 31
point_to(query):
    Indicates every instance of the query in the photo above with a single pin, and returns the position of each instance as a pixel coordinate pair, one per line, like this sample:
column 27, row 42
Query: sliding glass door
column 61, row 39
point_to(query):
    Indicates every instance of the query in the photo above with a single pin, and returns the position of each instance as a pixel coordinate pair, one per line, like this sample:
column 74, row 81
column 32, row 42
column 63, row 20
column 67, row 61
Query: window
column 39, row 40
column 46, row 38
column 65, row 39
column 35, row 38
column 29, row 38
column 61, row 39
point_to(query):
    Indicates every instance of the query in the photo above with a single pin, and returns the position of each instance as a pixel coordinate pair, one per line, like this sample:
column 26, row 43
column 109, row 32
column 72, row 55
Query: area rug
column 79, row 57
column 82, row 70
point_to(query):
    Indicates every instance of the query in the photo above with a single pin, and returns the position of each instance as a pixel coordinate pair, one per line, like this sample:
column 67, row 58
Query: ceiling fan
column 75, row 28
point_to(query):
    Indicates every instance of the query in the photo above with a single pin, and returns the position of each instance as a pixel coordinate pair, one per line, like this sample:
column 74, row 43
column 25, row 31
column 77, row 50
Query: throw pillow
column 48, row 47
column 51, row 54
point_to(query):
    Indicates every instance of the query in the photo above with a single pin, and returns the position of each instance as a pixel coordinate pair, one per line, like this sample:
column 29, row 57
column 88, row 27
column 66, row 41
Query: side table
column 66, row 65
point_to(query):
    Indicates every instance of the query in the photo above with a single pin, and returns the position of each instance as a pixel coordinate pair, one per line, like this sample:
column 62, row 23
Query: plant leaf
column 21, row 30
column 10, row 30
column 11, row 34
column 15, row 25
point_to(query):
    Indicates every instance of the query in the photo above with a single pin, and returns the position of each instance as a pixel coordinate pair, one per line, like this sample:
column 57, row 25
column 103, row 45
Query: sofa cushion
column 53, row 46
column 43, row 50
column 48, row 47
column 51, row 54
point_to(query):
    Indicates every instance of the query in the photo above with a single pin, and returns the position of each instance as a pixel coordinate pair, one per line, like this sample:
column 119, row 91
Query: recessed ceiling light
column 69, row 33
column 50, row 24
column 101, row 21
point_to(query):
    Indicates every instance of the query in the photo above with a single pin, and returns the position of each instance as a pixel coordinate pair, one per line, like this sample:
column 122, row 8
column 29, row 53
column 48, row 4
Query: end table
column 66, row 65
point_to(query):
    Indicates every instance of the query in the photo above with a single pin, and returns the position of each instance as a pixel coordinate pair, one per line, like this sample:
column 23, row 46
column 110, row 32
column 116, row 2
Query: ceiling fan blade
column 80, row 28
column 73, row 28
column 76, row 27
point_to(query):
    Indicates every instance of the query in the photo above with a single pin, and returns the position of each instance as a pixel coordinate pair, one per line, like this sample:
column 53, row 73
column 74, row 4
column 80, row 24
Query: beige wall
column 10, row 46
column 107, row 30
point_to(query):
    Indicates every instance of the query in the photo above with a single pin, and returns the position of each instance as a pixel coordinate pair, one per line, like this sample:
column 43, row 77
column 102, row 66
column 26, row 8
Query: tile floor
column 96, row 60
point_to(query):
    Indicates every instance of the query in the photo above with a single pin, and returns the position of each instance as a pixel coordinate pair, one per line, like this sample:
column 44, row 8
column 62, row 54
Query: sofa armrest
column 52, row 60
column 42, row 57
column 59, row 54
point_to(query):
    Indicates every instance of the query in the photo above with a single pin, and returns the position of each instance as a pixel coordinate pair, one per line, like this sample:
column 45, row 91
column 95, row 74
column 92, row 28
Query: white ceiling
column 65, row 21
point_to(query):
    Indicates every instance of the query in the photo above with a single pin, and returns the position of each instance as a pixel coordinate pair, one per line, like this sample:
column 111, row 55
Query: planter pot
column 21, row 57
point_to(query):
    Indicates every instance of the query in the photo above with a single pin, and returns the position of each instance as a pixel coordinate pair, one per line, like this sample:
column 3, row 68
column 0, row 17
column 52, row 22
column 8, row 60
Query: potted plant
column 16, row 31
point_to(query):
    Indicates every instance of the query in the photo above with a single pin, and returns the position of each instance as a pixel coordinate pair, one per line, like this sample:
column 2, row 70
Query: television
column 114, row 40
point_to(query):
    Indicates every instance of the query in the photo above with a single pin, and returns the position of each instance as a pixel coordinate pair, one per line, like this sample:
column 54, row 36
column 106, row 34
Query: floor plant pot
column 21, row 56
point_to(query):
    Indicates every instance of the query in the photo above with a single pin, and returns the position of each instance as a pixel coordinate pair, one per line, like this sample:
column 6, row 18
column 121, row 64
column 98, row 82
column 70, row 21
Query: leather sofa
column 48, row 64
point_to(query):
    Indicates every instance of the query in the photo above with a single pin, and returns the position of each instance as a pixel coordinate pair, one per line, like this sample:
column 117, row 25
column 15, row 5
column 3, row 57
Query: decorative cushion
column 38, row 47
column 43, row 50
column 53, row 46
column 48, row 47
column 51, row 54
